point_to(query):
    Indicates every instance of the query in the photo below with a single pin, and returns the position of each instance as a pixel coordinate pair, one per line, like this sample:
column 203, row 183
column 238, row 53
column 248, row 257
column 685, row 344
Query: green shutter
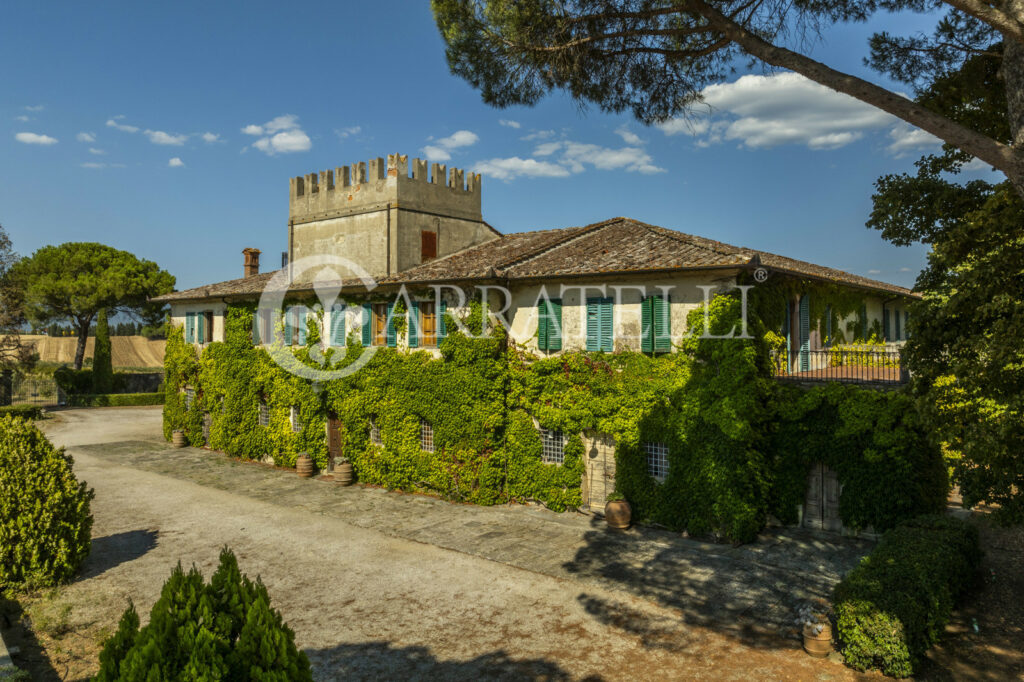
column 593, row 324
column 392, row 334
column 805, row 333
column 414, row 324
column 190, row 327
column 607, row 325
column 338, row 325
column 542, row 325
column 647, row 324
column 442, row 326
column 256, row 327
column 301, row 321
column 886, row 325
column 864, row 322
column 906, row 323
column 288, row 335
column 201, row 327
column 896, row 320
column 662, row 315
column 367, row 325
column 555, row 324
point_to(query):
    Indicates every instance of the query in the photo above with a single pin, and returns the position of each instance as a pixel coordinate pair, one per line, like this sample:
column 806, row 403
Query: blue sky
column 170, row 130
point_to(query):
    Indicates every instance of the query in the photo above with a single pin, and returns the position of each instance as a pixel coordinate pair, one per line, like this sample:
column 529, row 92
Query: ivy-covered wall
column 739, row 445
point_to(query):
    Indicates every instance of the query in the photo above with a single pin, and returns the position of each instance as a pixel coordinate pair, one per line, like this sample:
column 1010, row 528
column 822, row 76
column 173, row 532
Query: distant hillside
column 127, row 351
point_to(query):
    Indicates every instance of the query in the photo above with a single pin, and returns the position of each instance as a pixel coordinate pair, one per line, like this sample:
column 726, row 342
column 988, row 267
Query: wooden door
column 380, row 322
column 334, row 448
column 813, row 504
column 428, row 325
column 821, row 506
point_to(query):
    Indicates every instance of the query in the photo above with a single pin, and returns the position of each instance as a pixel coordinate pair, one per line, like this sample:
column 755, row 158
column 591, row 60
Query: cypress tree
column 102, row 363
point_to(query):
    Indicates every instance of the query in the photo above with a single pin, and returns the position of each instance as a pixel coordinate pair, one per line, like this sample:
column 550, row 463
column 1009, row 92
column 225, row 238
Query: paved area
column 379, row 584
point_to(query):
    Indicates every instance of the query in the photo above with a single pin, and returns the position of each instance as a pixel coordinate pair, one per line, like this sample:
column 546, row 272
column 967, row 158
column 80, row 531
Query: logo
column 760, row 275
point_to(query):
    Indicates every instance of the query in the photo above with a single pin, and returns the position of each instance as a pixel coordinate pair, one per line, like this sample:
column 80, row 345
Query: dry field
column 127, row 351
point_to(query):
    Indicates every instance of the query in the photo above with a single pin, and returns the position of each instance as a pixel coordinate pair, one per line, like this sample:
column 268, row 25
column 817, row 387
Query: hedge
column 31, row 412
column 895, row 604
column 115, row 399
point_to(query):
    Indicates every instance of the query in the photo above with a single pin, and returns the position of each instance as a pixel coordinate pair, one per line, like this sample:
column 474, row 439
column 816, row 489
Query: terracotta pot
column 304, row 466
column 818, row 645
column 343, row 473
column 178, row 438
column 618, row 514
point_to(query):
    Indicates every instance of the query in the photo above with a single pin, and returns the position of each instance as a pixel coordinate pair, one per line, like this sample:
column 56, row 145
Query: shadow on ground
column 110, row 551
column 30, row 655
column 381, row 660
column 750, row 592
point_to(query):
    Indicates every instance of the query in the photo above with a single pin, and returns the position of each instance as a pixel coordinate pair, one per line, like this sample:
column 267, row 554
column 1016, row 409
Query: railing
column 850, row 364
column 35, row 390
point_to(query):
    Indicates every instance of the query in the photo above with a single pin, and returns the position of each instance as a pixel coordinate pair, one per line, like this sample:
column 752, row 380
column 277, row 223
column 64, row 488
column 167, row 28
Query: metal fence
column 34, row 389
column 850, row 364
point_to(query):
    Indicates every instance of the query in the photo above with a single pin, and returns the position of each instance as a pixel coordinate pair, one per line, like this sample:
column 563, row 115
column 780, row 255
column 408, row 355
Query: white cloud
column 977, row 164
column 115, row 122
column 906, row 138
column 23, row 119
column 510, row 168
column 784, row 108
column 281, row 135
column 35, row 138
column 874, row 272
column 176, row 163
column 509, row 123
column 441, row 149
column 627, row 135
column 160, row 137
column 97, row 152
column 86, row 137
column 37, row 107
column 632, row 159
column 342, row 133
column 538, row 135
column 92, row 164
column 210, row 138
column 547, row 148
column 905, row 270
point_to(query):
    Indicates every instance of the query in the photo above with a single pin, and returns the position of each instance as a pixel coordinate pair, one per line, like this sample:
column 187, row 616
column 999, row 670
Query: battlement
column 397, row 166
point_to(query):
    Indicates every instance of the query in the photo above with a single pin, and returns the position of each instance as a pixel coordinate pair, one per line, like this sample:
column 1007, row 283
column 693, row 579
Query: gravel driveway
column 368, row 604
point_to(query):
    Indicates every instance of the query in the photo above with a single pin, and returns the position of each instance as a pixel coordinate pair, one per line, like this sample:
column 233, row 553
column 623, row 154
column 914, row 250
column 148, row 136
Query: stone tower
column 381, row 218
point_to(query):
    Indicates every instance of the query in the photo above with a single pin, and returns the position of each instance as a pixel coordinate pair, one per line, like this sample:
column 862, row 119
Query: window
column 262, row 326
column 896, row 319
column 263, row 418
column 553, row 446
column 549, row 324
column 190, row 327
column 296, row 419
column 428, row 245
column 655, row 324
column 426, row 436
column 599, row 324
column 207, row 327
column 295, row 326
column 657, row 460
column 337, row 321
column 375, row 432
column 428, row 325
column 380, row 324
column 190, row 395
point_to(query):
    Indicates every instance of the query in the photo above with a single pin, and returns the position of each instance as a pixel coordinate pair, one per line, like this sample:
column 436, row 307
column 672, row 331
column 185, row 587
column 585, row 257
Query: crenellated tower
column 383, row 218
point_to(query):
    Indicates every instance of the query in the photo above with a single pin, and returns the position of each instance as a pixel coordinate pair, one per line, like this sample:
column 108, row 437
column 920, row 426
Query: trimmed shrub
column 30, row 412
column 45, row 523
column 224, row 630
column 102, row 360
column 115, row 399
column 895, row 604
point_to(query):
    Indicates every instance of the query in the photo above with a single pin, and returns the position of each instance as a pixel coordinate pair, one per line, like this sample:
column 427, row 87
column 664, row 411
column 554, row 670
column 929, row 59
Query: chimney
column 252, row 261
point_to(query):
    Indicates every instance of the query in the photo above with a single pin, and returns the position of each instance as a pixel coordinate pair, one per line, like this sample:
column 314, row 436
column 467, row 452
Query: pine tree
column 117, row 647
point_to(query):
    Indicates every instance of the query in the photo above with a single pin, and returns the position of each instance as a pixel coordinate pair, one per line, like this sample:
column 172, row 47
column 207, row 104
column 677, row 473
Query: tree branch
column 997, row 19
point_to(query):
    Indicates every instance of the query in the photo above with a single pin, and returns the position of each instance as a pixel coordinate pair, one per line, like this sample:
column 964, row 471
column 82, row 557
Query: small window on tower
column 428, row 245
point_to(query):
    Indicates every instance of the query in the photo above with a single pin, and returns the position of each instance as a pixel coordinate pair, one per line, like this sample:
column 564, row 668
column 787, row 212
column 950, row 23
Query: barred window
column 264, row 415
column 375, row 432
column 426, row 436
column 554, row 446
column 190, row 395
column 657, row 460
column 296, row 419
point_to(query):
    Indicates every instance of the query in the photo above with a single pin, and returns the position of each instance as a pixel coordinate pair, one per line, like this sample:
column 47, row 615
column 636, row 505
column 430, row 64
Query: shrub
column 30, row 412
column 115, row 399
column 895, row 604
column 102, row 361
column 45, row 523
column 224, row 630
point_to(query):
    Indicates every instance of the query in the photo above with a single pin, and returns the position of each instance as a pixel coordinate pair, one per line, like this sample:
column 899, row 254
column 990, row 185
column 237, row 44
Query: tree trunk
column 83, row 336
column 1013, row 76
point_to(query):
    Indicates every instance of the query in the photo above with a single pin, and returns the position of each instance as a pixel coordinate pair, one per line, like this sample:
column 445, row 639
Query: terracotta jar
column 818, row 644
column 343, row 473
column 618, row 514
column 178, row 438
column 304, row 465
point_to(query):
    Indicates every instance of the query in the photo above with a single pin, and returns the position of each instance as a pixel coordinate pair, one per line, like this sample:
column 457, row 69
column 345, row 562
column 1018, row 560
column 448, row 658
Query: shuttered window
column 655, row 324
column 425, row 326
column 442, row 324
column 896, row 321
column 906, row 323
column 190, row 327
column 337, row 332
column 549, row 324
column 863, row 323
column 391, row 332
column 805, row 334
column 379, row 322
column 599, row 324
column 886, row 325
column 200, row 328
column 428, row 245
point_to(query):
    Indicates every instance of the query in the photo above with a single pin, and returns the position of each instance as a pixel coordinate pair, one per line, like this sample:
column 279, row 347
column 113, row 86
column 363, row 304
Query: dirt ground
column 367, row 606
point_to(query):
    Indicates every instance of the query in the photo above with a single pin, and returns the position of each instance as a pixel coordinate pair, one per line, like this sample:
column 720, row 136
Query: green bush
column 30, row 412
column 895, row 604
column 224, row 630
column 45, row 522
column 102, row 360
column 115, row 399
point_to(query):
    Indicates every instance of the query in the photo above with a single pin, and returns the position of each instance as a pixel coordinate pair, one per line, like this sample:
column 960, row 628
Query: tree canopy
column 12, row 311
column 73, row 281
column 654, row 57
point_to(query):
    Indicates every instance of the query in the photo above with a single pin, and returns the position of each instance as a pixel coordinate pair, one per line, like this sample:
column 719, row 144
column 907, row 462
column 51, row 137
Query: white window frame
column 656, row 454
column 552, row 446
column 426, row 436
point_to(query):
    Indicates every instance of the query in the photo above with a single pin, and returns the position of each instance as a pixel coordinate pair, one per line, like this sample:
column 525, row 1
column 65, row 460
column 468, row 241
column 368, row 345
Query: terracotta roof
column 619, row 245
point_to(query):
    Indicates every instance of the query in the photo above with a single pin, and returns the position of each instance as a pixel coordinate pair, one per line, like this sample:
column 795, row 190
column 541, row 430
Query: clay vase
column 178, row 438
column 618, row 514
column 818, row 645
column 343, row 473
column 304, row 466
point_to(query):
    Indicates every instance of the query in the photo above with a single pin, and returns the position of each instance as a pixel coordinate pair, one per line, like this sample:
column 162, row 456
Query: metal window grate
column 375, row 432
column 190, row 395
column 426, row 436
column 657, row 460
column 295, row 419
column 554, row 446
column 264, row 415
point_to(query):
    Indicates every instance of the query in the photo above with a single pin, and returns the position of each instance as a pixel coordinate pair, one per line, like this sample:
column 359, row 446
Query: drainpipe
column 388, row 230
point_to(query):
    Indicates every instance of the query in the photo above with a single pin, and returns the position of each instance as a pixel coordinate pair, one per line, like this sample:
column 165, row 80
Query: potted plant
column 816, row 629
column 343, row 470
column 617, row 512
column 178, row 438
column 304, row 465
